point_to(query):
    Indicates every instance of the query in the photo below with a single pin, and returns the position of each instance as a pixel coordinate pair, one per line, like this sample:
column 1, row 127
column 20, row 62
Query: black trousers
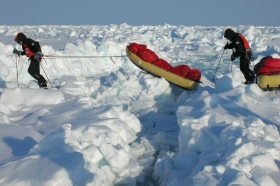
column 245, row 69
column 34, row 71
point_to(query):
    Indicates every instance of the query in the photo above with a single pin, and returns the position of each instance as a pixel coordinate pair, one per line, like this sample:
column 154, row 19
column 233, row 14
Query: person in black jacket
column 240, row 51
column 31, row 49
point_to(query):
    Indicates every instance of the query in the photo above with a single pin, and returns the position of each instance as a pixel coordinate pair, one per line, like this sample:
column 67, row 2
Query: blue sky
column 141, row 12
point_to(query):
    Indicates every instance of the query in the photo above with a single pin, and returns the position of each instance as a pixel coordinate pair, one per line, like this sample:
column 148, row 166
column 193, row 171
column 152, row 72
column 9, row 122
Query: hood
column 229, row 34
column 20, row 37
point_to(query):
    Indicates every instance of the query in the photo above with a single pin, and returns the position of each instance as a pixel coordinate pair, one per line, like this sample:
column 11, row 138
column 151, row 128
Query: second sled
column 268, row 82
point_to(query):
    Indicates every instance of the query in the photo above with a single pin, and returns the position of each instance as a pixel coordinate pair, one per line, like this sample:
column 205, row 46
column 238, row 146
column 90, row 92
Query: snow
column 105, row 123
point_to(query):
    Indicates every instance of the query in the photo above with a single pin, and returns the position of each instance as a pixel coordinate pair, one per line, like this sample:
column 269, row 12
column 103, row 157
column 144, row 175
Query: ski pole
column 231, row 62
column 17, row 69
column 218, row 65
column 252, row 65
column 46, row 75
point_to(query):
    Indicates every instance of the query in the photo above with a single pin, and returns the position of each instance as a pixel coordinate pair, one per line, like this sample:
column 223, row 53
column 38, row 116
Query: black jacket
column 237, row 43
column 34, row 46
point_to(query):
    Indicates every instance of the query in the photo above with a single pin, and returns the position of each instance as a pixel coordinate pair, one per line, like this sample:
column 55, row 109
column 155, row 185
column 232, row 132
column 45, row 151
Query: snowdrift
column 91, row 146
column 111, row 124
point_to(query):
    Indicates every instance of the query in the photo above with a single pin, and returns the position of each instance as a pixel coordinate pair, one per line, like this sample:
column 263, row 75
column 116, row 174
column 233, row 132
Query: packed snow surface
column 103, row 121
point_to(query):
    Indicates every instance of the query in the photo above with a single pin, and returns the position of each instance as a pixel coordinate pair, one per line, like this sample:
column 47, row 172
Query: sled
column 268, row 73
column 269, row 82
column 162, row 71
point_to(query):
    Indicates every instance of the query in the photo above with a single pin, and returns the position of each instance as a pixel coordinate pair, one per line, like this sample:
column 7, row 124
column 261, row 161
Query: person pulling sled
column 31, row 49
column 242, row 50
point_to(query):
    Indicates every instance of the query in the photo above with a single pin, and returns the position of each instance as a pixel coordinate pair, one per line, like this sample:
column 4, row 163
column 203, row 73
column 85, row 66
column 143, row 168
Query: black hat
column 229, row 33
column 20, row 37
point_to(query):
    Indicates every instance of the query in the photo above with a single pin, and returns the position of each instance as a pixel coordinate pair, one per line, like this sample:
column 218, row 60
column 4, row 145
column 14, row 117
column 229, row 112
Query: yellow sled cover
column 157, row 71
column 268, row 82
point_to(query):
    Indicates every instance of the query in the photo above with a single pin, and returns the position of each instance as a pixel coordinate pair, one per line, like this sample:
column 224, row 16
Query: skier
column 31, row 49
column 242, row 50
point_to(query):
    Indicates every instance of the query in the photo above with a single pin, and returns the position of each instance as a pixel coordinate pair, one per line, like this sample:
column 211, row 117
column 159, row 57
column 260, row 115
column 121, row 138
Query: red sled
column 272, row 63
column 181, row 70
column 147, row 55
column 135, row 47
column 194, row 75
column 148, row 61
column 161, row 63
column 268, row 71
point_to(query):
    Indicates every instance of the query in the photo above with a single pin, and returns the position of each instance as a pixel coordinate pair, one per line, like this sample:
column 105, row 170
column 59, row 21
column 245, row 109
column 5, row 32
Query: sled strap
column 54, row 57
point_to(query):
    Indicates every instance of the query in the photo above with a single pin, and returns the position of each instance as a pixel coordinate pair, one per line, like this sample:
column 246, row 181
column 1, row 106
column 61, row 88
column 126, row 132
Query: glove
column 226, row 46
column 15, row 51
column 38, row 56
column 250, row 56
column 232, row 58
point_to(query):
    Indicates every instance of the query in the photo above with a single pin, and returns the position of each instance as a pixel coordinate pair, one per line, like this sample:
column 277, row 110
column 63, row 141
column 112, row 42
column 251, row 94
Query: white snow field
column 106, row 122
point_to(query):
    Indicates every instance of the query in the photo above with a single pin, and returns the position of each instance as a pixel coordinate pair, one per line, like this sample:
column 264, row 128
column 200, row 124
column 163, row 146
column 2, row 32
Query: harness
column 28, row 52
column 245, row 43
column 248, row 50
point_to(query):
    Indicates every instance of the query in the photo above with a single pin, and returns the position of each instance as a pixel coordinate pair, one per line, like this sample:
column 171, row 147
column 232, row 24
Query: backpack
column 194, row 75
column 162, row 64
column 135, row 47
column 247, row 47
column 181, row 70
column 34, row 46
column 147, row 55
